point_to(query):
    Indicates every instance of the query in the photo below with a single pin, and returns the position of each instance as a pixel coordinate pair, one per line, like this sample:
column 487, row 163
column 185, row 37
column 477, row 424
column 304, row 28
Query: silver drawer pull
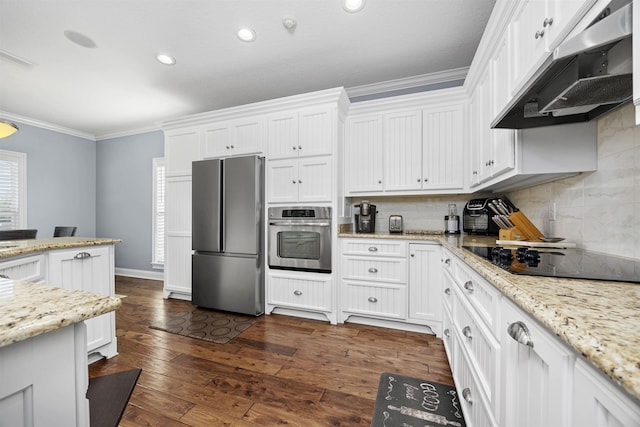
column 373, row 270
column 466, row 331
column 373, row 249
column 466, row 395
column 468, row 285
column 372, row 299
column 82, row 255
column 447, row 333
column 297, row 292
column 447, row 291
column 519, row 332
column 447, row 261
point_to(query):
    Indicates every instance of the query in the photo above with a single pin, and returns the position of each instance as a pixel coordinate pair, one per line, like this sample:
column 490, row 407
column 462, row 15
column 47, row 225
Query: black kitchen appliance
column 476, row 218
column 565, row 263
column 365, row 217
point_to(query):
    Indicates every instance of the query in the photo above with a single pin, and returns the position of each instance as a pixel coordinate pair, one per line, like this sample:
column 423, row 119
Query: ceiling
column 118, row 86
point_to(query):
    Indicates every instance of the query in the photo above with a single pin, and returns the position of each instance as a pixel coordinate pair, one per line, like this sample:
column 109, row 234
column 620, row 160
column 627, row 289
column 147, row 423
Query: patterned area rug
column 209, row 325
column 405, row 401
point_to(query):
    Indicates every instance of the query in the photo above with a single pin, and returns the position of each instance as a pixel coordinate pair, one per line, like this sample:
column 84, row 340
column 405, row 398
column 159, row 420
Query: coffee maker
column 365, row 217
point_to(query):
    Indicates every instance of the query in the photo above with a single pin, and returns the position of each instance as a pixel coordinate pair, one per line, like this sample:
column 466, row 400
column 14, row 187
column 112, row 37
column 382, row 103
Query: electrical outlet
column 552, row 211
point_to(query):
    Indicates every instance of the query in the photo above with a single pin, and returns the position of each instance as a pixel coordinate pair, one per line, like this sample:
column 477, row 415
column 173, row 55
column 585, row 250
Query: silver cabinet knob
column 447, row 291
column 379, row 181
column 466, row 395
column 372, row 299
column 539, row 34
column 299, row 147
column 373, row 249
column 519, row 332
column 299, row 181
column 413, row 255
column 295, row 182
column 466, row 331
column 446, row 333
column 468, row 285
column 232, row 147
column 447, row 261
column 227, row 147
column 294, row 147
column 373, row 270
column 547, row 22
column 297, row 292
column 419, row 180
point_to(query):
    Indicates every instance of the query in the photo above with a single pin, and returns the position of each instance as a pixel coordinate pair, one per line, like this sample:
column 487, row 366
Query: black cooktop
column 566, row 263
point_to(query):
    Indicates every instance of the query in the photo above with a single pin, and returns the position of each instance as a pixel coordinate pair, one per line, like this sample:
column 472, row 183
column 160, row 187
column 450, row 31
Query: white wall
column 600, row 210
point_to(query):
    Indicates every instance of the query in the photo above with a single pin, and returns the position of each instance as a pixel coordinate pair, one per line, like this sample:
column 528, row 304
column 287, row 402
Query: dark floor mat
column 108, row 397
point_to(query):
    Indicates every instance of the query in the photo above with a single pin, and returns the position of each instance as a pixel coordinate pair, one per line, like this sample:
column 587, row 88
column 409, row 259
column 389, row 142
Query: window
column 158, row 213
column 13, row 190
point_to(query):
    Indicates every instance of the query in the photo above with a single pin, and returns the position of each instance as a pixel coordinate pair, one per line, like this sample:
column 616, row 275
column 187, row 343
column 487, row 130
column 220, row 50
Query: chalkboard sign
column 410, row 402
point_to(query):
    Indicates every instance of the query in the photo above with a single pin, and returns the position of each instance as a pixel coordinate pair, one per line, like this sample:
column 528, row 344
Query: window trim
column 21, row 160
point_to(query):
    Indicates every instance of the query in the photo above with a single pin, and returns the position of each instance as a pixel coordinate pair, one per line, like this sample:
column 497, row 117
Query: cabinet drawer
column 481, row 347
column 474, row 407
column 387, row 300
column 300, row 292
column 374, row 247
column 484, row 298
column 375, row 268
column 30, row 268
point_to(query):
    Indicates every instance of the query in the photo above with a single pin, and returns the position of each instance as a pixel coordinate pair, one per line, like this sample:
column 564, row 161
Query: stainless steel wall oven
column 300, row 238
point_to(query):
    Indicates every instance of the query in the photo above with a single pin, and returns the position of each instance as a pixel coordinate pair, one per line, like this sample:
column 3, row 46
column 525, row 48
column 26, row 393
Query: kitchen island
column 596, row 321
column 43, row 352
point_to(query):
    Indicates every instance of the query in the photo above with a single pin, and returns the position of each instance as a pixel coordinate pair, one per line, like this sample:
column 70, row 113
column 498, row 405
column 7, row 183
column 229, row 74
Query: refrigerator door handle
column 223, row 208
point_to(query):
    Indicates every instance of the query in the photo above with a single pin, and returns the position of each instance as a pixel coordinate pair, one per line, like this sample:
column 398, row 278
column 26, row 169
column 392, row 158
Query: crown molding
column 131, row 132
column 46, row 125
column 408, row 82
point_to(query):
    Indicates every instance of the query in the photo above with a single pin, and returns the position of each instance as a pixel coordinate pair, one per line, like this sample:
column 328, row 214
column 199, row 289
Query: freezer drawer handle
column 82, row 255
column 519, row 332
column 297, row 292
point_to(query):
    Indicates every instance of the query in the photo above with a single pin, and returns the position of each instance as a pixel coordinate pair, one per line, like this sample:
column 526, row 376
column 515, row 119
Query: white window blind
column 12, row 190
column 158, row 212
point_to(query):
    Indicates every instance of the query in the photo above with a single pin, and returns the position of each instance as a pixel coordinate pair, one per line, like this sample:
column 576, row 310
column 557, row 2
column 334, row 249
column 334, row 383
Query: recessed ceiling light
column 246, row 34
column 165, row 59
column 353, row 5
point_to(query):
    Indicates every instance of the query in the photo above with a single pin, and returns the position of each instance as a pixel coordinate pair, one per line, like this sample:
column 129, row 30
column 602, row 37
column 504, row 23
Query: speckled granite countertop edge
column 601, row 325
column 12, row 248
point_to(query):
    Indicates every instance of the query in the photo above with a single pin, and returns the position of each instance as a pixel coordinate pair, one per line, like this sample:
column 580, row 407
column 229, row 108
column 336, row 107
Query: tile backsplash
column 599, row 211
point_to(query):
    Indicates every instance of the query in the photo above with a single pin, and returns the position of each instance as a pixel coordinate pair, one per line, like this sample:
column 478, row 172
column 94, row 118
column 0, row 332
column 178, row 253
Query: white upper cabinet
column 403, row 151
column 364, row 153
column 233, row 138
column 300, row 180
column 443, row 142
column 303, row 132
column 181, row 148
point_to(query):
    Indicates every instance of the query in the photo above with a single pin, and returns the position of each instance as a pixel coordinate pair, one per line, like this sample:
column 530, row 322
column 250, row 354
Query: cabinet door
column 282, row 135
column 536, row 373
column 86, row 269
column 364, row 155
column 181, row 148
column 403, row 151
column 177, row 266
column 475, row 136
column 282, row 178
column 248, row 136
column 425, row 282
column 443, row 139
column 217, row 141
column 316, row 133
column 315, row 179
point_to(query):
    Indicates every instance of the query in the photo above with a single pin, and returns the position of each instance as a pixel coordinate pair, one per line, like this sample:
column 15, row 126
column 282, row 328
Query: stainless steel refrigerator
column 227, row 234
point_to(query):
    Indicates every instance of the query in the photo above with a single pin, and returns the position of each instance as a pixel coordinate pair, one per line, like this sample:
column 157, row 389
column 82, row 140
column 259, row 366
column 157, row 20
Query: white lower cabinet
column 30, row 268
column 598, row 402
column 536, row 372
column 88, row 269
column 425, row 285
column 300, row 291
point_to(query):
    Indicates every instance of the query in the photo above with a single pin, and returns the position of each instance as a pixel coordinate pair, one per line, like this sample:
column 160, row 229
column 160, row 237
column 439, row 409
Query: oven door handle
column 300, row 223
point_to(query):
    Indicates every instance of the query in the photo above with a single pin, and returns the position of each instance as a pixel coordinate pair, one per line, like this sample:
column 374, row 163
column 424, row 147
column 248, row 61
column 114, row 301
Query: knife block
column 523, row 230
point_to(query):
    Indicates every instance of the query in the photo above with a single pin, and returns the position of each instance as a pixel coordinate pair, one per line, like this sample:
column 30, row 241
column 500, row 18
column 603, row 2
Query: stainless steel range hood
column 586, row 76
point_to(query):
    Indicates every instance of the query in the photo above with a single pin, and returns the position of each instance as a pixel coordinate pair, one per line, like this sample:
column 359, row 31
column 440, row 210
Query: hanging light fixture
column 7, row 128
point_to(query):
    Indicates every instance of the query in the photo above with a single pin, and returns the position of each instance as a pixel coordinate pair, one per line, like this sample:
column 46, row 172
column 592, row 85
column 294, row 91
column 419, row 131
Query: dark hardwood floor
column 280, row 371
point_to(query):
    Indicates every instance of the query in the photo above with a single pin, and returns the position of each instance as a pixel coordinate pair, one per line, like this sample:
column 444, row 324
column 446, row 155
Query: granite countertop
column 29, row 309
column 598, row 319
column 11, row 248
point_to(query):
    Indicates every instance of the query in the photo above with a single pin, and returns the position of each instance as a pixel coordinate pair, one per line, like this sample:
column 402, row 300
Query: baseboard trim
column 140, row 274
